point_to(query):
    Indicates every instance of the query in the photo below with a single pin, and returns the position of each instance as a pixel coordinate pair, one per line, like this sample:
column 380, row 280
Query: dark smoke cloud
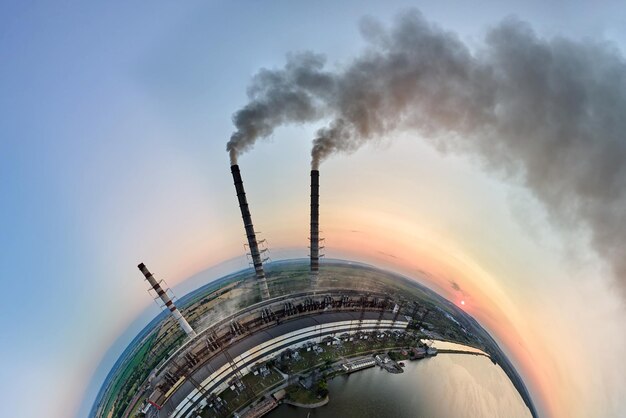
column 552, row 112
column 291, row 95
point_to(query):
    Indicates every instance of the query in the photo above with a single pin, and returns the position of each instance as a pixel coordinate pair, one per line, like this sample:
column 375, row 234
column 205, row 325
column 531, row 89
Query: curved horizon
column 194, row 280
column 114, row 135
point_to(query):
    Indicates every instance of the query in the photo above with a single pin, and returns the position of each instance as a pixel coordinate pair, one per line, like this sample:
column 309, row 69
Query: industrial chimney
column 250, row 234
column 315, row 226
column 167, row 301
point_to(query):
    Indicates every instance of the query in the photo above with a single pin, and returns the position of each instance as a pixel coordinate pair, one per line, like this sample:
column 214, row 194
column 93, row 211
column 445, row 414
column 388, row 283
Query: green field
column 128, row 378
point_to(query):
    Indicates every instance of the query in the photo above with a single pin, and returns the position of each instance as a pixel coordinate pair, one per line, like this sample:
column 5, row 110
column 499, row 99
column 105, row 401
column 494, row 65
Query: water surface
column 449, row 385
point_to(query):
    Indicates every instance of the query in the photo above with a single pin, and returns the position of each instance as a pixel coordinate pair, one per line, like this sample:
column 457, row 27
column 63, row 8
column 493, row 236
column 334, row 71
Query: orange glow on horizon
column 433, row 258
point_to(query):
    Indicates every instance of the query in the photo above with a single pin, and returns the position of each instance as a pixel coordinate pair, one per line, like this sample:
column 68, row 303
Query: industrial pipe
column 315, row 226
column 167, row 301
column 250, row 234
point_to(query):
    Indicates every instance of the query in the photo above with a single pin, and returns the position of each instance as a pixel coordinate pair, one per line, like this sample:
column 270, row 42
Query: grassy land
column 126, row 380
column 333, row 353
column 297, row 393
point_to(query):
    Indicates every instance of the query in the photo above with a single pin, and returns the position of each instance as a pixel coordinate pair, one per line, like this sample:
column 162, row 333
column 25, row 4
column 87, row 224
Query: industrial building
column 240, row 342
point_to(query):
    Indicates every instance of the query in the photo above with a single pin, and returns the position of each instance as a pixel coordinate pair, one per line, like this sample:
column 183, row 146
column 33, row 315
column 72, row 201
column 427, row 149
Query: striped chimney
column 167, row 301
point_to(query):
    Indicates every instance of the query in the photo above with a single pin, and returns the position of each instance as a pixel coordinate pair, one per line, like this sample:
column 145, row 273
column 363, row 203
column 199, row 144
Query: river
column 445, row 386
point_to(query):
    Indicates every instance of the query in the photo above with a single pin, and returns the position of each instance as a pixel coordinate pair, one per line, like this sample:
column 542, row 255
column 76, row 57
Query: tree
column 322, row 388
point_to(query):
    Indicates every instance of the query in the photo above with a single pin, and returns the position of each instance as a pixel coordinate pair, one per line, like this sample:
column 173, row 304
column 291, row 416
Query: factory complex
column 224, row 354
column 276, row 332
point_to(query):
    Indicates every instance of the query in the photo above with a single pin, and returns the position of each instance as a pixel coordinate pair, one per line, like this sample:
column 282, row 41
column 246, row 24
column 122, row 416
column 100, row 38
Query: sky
column 112, row 152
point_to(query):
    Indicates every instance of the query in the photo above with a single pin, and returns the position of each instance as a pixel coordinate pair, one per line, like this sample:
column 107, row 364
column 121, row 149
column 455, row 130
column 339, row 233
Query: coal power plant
column 167, row 301
column 240, row 351
column 315, row 226
column 253, row 244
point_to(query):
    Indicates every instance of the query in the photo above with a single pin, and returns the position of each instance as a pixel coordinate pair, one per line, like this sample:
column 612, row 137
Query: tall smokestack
column 167, row 301
column 315, row 225
column 250, row 234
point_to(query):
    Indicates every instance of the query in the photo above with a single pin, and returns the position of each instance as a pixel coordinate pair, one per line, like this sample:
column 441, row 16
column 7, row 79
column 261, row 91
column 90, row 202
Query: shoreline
column 307, row 405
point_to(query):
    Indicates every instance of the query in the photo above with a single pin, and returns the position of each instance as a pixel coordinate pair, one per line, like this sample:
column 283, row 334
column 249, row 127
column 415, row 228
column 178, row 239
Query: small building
column 353, row 366
column 147, row 407
column 279, row 394
column 418, row 353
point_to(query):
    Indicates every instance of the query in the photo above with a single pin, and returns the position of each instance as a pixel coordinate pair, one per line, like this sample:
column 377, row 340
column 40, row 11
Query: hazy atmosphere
column 476, row 149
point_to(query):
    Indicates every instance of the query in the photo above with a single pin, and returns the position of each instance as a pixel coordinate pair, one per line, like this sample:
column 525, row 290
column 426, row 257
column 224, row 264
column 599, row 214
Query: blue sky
column 112, row 152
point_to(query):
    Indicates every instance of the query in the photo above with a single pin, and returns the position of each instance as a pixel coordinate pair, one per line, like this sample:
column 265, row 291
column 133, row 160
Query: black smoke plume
column 291, row 95
column 551, row 112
